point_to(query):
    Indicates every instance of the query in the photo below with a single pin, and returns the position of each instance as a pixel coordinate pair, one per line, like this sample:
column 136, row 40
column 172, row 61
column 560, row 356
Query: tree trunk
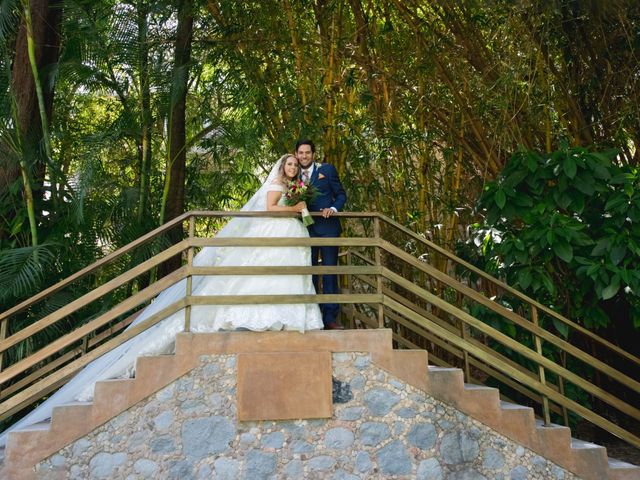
column 173, row 195
column 46, row 18
column 145, row 111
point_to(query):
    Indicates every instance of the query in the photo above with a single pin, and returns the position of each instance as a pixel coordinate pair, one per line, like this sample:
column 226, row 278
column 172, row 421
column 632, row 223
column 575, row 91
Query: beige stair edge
column 518, row 423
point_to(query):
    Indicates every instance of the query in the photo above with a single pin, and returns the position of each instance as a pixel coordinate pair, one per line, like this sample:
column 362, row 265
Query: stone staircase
column 29, row 446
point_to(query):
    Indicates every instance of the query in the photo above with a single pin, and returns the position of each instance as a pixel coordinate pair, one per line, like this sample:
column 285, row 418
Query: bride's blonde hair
column 282, row 177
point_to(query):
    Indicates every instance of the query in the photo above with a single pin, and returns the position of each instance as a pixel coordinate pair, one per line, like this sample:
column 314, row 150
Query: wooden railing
column 386, row 283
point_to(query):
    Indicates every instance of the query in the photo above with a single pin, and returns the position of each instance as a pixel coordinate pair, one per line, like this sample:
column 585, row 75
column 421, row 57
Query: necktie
column 305, row 176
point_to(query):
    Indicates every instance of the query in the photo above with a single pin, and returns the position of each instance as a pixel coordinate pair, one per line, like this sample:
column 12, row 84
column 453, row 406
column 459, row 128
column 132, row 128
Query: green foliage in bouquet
column 299, row 191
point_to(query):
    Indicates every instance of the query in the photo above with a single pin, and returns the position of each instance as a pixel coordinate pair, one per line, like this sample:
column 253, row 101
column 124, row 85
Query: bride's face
column 291, row 167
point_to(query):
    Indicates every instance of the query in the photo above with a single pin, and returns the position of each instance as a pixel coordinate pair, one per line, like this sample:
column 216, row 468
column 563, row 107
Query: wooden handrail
column 93, row 267
column 262, row 270
column 384, row 299
column 516, row 374
column 372, row 298
column 283, row 242
column 510, row 289
column 514, row 317
column 505, row 313
column 491, row 358
column 91, row 296
column 77, row 334
column 147, row 238
column 515, row 345
column 68, row 356
column 430, row 316
column 53, row 381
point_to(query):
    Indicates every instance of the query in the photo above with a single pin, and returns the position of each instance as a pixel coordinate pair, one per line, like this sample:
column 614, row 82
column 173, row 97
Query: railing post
column 378, row 257
column 349, row 282
column 3, row 335
column 545, row 400
column 565, row 414
column 187, row 310
column 464, row 333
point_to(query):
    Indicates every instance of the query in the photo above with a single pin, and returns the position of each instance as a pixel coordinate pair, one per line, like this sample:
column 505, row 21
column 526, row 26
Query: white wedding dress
column 159, row 339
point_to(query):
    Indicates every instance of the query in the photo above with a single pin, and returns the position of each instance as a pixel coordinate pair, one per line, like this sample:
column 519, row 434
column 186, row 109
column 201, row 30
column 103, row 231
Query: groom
column 331, row 198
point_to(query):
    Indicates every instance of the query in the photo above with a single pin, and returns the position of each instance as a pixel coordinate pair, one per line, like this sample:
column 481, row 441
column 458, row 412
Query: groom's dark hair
column 306, row 141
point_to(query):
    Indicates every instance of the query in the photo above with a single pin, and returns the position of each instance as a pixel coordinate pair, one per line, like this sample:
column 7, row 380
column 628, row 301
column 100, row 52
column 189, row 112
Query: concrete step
column 446, row 384
column 71, row 418
column 518, row 423
column 590, row 460
column 619, row 470
column 554, row 441
column 409, row 366
column 482, row 403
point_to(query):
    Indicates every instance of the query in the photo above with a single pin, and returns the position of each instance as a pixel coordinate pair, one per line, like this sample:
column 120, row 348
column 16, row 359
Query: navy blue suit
column 330, row 194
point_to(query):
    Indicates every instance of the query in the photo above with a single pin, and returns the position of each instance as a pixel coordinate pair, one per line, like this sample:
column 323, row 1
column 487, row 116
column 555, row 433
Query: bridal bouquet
column 298, row 191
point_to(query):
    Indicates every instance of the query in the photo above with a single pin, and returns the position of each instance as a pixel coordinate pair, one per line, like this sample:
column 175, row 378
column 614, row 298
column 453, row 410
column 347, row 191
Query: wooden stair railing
column 495, row 365
column 404, row 342
column 498, row 284
column 409, row 315
column 422, row 312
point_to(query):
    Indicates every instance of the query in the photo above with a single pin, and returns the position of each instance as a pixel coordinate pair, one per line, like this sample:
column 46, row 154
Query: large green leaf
column 602, row 246
column 561, row 327
column 617, row 254
column 500, row 198
column 615, row 201
column 563, row 250
column 610, row 290
column 569, row 166
column 22, row 270
column 524, row 278
column 584, row 183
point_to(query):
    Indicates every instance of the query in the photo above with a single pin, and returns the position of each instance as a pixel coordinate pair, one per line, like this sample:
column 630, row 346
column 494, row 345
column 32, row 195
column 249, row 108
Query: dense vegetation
column 141, row 110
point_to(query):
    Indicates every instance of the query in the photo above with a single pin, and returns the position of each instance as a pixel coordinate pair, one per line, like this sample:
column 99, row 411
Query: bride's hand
column 298, row 207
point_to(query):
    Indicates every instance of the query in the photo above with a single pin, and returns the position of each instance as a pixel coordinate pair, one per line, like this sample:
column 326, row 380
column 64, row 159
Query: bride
column 160, row 339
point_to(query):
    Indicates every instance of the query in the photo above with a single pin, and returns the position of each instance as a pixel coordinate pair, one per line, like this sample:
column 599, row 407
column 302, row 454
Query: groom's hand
column 327, row 212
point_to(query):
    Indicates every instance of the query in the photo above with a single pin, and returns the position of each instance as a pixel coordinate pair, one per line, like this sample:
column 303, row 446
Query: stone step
column 111, row 397
column 72, row 417
column 554, row 441
column 446, row 384
column 590, row 460
column 518, row 422
column 409, row 366
column 36, row 427
column 482, row 403
column 619, row 470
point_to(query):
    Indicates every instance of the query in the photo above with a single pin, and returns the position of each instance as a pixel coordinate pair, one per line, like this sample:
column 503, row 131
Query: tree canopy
column 141, row 110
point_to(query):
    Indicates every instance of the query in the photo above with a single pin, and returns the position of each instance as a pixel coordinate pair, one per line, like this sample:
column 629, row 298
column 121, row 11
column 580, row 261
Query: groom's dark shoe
column 333, row 326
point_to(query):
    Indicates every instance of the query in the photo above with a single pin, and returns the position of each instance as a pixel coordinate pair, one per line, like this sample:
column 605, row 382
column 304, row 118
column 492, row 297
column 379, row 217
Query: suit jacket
column 330, row 194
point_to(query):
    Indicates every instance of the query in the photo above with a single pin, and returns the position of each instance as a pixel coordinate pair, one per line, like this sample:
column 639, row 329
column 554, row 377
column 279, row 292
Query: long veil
column 120, row 362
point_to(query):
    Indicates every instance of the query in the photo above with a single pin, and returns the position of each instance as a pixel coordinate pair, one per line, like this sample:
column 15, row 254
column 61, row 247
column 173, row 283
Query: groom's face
column 305, row 155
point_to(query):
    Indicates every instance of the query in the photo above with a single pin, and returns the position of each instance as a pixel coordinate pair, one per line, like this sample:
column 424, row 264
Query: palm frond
column 23, row 270
column 9, row 15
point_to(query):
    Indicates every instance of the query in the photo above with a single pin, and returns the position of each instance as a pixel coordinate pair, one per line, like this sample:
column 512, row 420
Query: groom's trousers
column 329, row 256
